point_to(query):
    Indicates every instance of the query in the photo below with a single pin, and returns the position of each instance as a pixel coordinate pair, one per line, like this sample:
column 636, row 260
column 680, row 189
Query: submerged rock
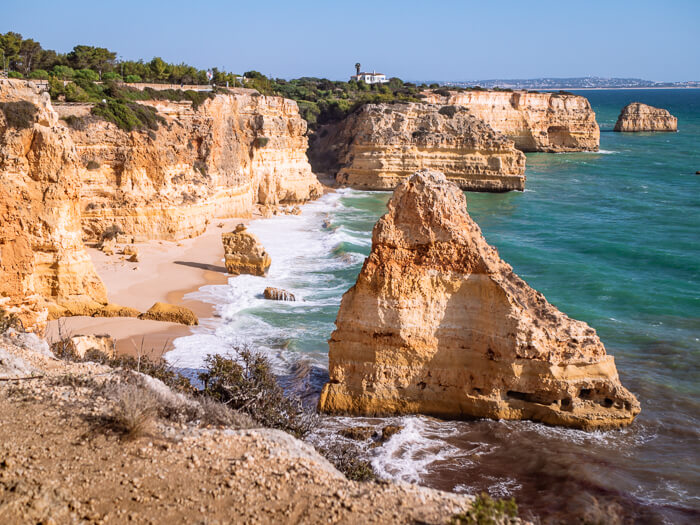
column 640, row 117
column 277, row 294
column 243, row 253
column 438, row 324
column 170, row 313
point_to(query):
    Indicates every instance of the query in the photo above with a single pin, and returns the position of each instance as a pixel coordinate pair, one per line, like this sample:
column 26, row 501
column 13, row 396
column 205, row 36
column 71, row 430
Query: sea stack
column 438, row 324
column 640, row 117
column 244, row 253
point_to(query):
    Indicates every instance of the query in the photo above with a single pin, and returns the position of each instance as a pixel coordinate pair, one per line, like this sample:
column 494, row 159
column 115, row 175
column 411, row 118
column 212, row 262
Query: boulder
column 80, row 345
column 640, row 117
column 116, row 310
column 438, row 324
column 243, row 253
column 170, row 313
column 277, row 294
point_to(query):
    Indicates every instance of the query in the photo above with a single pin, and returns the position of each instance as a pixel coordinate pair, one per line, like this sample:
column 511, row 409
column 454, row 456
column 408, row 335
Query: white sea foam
column 409, row 454
column 304, row 252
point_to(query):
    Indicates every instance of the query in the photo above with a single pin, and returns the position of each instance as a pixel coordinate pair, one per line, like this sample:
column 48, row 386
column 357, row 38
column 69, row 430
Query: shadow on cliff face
column 202, row 266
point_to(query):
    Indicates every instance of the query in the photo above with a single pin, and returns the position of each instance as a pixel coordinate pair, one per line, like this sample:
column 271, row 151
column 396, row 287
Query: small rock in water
column 359, row 433
column 277, row 294
column 390, row 430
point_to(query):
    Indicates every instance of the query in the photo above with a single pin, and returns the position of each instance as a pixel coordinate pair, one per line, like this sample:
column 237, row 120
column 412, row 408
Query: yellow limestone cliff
column 380, row 145
column 217, row 160
column 44, row 268
column 549, row 122
column 438, row 324
column 640, row 117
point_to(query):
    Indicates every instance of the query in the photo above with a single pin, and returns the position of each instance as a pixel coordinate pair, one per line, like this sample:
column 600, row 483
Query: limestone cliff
column 549, row 122
column 44, row 268
column 218, row 160
column 437, row 323
column 380, row 145
column 640, row 117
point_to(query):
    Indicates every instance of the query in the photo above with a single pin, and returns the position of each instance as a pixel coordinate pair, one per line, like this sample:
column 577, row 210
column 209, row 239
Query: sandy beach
column 166, row 271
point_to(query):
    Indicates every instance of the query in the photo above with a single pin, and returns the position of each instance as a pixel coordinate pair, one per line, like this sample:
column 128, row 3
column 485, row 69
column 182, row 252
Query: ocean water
column 611, row 238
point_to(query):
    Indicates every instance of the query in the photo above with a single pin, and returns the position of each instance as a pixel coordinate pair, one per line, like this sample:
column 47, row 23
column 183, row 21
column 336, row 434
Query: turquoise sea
column 611, row 238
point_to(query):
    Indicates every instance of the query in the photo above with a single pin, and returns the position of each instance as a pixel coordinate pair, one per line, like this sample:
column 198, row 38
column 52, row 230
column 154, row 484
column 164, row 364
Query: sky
column 439, row 40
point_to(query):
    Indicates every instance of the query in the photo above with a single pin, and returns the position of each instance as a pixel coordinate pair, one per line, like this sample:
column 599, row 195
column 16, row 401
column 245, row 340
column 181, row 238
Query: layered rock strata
column 217, row 160
column 640, row 117
column 45, row 270
column 438, row 324
column 380, row 145
column 548, row 122
column 243, row 253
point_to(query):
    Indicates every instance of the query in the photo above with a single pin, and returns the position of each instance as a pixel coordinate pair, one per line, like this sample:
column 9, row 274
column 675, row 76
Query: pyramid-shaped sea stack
column 438, row 324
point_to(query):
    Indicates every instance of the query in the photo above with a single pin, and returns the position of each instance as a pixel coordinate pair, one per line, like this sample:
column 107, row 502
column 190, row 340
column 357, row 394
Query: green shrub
column 133, row 78
column 93, row 165
column 39, row 74
column 8, row 320
column 15, row 74
column 129, row 116
column 487, row 511
column 346, row 458
column 448, row 111
column 63, row 72
column 20, row 114
column 111, row 75
column 87, row 74
column 261, row 142
column 248, row 385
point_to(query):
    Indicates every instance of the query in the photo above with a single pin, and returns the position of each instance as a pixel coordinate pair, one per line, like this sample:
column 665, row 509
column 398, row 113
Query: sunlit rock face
column 548, row 122
column 218, row 160
column 44, row 268
column 438, row 324
column 640, row 117
column 380, row 145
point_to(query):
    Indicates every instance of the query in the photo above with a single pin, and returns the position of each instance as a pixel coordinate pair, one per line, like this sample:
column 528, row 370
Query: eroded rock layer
column 438, row 324
column 640, row 117
column 218, row 160
column 380, row 145
column 44, row 268
column 549, row 122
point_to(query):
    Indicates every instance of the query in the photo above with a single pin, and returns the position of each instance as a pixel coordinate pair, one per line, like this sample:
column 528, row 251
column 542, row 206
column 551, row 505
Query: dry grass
column 135, row 413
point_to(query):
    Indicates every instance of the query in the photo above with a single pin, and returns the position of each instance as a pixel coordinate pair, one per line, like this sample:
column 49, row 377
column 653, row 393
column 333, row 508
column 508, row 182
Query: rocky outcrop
column 640, row 117
column 277, row 294
column 438, row 324
column 380, row 145
column 214, row 161
column 170, row 313
column 80, row 345
column 549, row 122
column 243, row 253
column 45, row 270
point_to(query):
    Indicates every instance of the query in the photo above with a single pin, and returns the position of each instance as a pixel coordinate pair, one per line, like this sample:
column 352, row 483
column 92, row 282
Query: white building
column 370, row 78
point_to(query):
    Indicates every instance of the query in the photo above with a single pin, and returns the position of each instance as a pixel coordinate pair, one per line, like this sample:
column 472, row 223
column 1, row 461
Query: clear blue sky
column 426, row 40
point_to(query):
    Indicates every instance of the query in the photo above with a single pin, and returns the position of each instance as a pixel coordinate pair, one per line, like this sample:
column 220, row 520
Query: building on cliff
column 368, row 78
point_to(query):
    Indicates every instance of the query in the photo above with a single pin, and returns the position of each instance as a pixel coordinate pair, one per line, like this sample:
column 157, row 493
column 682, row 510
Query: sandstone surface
column 243, row 253
column 79, row 345
column 277, row 294
column 44, row 267
column 214, row 161
column 438, row 324
column 380, row 145
column 170, row 313
column 640, row 117
column 548, row 122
